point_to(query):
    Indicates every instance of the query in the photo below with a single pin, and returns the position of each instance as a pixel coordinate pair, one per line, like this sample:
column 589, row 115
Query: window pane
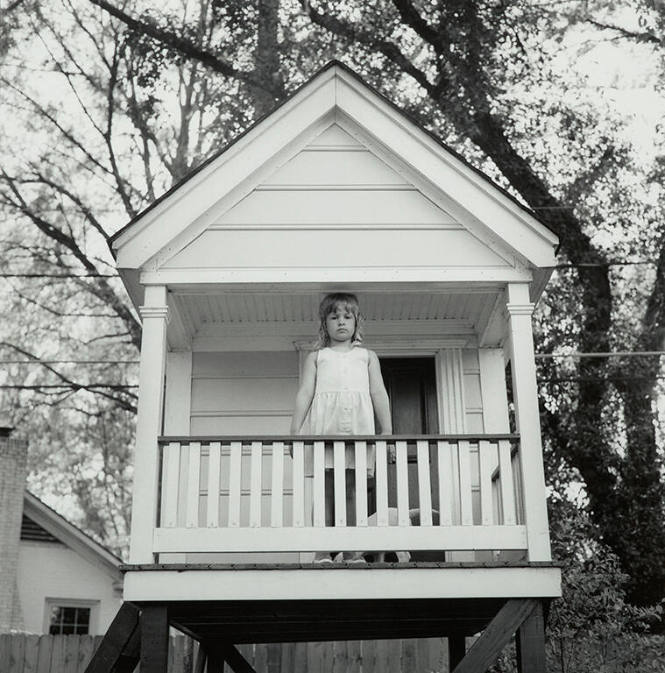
column 69, row 620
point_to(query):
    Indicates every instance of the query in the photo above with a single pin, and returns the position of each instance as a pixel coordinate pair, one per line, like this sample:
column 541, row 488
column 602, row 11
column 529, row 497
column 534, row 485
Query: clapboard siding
column 243, row 393
column 329, row 247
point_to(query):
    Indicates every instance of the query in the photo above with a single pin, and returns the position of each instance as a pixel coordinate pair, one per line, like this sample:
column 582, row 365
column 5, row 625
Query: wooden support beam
column 456, row 649
column 234, row 659
column 154, row 623
column 530, row 643
column 116, row 640
column 130, row 655
column 496, row 636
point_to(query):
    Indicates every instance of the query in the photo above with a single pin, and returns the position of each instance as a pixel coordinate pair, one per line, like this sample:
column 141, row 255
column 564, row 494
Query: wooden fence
column 70, row 654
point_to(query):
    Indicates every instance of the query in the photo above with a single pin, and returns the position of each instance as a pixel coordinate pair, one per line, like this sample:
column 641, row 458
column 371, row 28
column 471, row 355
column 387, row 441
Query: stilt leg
column 456, row 650
column 154, row 639
column 530, row 641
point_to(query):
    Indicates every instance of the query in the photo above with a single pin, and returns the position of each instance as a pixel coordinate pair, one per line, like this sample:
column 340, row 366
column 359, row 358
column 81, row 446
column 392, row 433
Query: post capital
column 154, row 312
column 514, row 308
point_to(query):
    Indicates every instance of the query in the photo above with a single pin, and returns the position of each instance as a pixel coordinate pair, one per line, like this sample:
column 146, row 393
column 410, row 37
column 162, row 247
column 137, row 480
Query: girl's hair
column 329, row 304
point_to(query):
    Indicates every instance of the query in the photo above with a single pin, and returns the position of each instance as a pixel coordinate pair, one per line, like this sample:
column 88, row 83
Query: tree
column 477, row 74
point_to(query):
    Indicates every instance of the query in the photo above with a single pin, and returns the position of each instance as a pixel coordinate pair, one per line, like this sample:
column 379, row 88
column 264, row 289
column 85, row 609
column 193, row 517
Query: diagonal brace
column 496, row 636
column 118, row 648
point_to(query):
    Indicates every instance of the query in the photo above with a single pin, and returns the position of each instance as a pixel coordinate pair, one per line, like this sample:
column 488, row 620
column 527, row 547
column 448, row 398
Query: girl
column 341, row 393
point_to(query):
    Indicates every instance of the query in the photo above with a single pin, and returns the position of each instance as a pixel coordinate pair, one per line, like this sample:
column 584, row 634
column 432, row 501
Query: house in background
column 53, row 577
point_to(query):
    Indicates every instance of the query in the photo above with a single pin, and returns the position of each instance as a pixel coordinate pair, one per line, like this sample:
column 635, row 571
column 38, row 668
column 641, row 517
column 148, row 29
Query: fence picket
column 361, row 483
column 445, row 484
column 170, row 478
column 298, row 484
column 466, row 511
column 214, row 460
column 277, row 486
column 31, row 654
column 485, row 466
column 319, row 516
column 381, row 484
column 424, row 483
column 235, row 473
column 17, row 655
column 506, row 483
column 255, row 487
column 339, row 462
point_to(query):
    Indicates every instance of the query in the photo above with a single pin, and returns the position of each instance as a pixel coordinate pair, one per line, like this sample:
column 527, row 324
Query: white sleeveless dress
column 342, row 404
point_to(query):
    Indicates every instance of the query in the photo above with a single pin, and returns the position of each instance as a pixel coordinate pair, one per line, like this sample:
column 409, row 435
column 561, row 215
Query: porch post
column 148, row 423
column 525, row 394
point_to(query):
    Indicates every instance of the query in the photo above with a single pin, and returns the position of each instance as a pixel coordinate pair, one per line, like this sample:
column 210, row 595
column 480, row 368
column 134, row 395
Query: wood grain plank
column 256, row 461
column 298, row 484
column 214, row 466
column 277, row 486
column 235, row 474
column 402, row 483
column 339, row 463
column 424, row 483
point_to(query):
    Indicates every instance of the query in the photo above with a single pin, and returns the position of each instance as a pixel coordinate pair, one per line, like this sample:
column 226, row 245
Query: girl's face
column 340, row 324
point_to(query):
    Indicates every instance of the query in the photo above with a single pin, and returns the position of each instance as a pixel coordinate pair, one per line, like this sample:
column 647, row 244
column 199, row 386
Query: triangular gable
column 321, row 113
column 55, row 525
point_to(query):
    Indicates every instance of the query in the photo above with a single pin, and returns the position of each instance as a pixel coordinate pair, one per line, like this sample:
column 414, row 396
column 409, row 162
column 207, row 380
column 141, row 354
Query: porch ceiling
column 196, row 310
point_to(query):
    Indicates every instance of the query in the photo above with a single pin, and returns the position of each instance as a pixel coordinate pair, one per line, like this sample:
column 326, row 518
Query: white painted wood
column 170, row 476
column 402, row 483
column 486, row 452
column 280, row 276
column 193, row 485
column 295, row 248
column 298, row 484
column 493, row 387
column 345, row 583
column 277, row 486
column 424, row 483
column 450, row 399
column 255, row 488
column 335, row 137
column 506, row 484
column 445, row 483
column 318, row 486
column 345, row 166
column 235, row 475
column 339, row 467
column 148, row 424
column 214, row 466
column 348, row 537
column 381, row 483
column 466, row 510
column 525, row 393
column 178, row 393
column 361, row 482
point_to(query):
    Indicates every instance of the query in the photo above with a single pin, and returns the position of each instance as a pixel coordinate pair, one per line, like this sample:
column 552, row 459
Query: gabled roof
column 178, row 216
column 71, row 536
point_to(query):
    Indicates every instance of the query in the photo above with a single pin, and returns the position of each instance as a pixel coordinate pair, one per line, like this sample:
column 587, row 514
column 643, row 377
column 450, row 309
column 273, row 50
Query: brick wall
column 13, row 455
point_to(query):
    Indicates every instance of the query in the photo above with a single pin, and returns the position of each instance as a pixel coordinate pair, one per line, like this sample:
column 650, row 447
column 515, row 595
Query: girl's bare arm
column 377, row 391
column 305, row 393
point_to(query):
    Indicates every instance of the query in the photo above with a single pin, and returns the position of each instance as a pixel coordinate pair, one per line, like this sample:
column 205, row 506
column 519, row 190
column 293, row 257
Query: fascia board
column 143, row 241
column 70, row 535
column 474, row 193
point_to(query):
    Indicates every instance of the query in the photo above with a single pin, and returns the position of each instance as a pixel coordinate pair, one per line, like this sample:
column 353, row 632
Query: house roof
column 70, row 535
column 331, row 64
column 180, row 215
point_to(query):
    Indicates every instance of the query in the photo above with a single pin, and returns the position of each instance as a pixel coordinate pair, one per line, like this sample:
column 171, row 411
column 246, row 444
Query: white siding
column 250, row 393
column 49, row 570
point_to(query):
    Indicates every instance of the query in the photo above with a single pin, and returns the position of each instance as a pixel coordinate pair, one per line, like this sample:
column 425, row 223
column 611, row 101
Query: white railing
column 239, row 494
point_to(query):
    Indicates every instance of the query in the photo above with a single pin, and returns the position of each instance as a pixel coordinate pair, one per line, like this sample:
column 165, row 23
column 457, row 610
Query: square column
column 154, row 314
column 527, row 416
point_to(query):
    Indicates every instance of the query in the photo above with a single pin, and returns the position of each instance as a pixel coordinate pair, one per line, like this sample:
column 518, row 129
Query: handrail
column 205, row 439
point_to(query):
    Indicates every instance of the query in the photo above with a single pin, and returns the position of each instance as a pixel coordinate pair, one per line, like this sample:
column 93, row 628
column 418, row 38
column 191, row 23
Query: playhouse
column 336, row 190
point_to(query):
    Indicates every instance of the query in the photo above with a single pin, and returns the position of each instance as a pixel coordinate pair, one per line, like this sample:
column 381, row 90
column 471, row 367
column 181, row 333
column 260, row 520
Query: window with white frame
column 69, row 616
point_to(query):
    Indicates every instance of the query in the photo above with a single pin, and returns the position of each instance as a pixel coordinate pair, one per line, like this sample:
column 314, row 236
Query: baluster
column 214, row 459
column 256, row 458
column 506, row 483
column 319, row 513
column 339, row 466
column 381, row 484
column 466, row 511
column 361, row 483
column 170, row 478
column 277, row 486
column 424, row 483
column 485, row 463
column 298, row 484
column 402, row 484
column 445, row 484
column 235, row 473
column 193, row 489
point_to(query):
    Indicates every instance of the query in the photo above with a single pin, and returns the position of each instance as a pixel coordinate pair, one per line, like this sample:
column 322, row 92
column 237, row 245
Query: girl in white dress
column 341, row 393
